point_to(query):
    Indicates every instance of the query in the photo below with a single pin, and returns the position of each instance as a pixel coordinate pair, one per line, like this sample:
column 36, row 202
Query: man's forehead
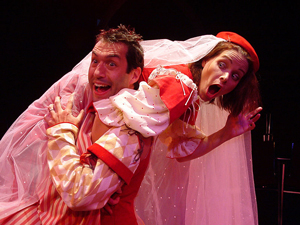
column 111, row 48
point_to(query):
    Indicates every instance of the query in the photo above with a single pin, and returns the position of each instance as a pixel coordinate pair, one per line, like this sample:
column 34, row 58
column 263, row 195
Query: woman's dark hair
column 246, row 95
column 126, row 35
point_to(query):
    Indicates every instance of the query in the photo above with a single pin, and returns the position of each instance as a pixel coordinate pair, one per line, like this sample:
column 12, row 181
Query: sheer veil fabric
column 23, row 148
column 216, row 187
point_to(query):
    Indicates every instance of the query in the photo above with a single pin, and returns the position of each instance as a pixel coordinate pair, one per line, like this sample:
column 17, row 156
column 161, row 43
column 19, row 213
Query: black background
column 42, row 40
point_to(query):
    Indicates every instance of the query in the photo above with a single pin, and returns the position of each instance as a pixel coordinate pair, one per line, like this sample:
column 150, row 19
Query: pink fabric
column 22, row 156
column 169, row 188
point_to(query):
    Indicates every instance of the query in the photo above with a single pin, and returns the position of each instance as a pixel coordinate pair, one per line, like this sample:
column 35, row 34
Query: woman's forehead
column 236, row 58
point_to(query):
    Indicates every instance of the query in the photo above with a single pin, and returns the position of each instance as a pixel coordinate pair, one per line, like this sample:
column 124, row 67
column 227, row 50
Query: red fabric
column 124, row 212
column 113, row 162
column 169, row 90
column 237, row 39
column 182, row 68
column 26, row 216
column 171, row 93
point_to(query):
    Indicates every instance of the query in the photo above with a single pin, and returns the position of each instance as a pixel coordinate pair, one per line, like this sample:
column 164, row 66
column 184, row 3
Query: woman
column 218, row 187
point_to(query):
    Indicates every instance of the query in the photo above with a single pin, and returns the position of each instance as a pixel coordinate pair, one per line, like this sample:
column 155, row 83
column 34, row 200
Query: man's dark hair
column 126, row 35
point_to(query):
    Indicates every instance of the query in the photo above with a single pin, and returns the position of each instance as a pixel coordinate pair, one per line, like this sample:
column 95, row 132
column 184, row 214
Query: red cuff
column 113, row 162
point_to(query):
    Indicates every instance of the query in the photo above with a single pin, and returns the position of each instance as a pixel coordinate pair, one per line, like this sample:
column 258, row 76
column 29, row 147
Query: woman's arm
column 234, row 127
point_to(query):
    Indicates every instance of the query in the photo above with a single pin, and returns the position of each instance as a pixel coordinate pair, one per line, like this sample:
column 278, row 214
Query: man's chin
column 99, row 97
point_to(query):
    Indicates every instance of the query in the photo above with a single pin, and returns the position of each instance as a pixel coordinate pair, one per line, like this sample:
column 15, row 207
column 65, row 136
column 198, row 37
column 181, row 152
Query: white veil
column 217, row 188
column 23, row 166
column 218, row 185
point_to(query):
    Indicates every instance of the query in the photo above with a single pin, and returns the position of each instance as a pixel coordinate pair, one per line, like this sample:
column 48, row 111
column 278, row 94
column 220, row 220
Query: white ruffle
column 141, row 110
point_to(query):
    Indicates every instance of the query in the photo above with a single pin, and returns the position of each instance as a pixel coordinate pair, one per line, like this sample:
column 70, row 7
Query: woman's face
column 221, row 74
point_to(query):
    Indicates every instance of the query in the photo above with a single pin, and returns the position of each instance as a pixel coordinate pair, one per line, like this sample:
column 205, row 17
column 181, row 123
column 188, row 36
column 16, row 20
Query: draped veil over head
column 216, row 189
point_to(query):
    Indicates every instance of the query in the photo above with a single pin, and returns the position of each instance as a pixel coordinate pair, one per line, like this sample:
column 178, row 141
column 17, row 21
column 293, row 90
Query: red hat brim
column 239, row 40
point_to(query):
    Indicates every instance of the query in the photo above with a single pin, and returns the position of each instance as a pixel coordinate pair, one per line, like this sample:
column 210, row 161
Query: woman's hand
column 234, row 126
column 242, row 123
column 58, row 115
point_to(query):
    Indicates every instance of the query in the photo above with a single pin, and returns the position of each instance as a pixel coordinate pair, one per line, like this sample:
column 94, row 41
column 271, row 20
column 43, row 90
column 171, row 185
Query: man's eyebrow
column 112, row 55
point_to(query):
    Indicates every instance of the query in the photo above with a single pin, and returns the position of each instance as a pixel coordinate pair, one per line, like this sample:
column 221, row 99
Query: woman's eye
column 222, row 64
column 235, row 76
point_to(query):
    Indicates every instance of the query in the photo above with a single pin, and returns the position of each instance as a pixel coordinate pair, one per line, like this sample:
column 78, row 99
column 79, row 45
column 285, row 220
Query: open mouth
column 213, row 89
column 101, row 87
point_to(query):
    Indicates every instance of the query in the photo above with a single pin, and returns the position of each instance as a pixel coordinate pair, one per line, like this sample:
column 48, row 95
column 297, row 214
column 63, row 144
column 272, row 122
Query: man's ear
column 135, row 75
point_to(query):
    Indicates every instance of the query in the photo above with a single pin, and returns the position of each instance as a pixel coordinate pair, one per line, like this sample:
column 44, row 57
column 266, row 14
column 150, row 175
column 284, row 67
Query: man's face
column 107, row 72
column 221, row 74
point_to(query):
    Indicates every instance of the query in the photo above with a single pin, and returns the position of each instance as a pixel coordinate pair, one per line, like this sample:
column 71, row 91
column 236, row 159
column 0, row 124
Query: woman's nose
column 224, row 78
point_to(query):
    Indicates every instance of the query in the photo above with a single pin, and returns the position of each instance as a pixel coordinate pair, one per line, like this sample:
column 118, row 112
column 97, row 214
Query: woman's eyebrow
column 227, row 57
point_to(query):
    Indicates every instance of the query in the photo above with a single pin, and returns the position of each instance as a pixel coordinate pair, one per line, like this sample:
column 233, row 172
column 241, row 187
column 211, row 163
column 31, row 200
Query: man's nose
column 100, row 70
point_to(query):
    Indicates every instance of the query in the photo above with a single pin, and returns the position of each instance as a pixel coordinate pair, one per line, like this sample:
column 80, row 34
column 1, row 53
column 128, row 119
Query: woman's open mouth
column 213, row 90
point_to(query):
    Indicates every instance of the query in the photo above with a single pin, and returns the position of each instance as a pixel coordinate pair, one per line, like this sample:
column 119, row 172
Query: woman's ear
column 135, row 75
column 203, row 63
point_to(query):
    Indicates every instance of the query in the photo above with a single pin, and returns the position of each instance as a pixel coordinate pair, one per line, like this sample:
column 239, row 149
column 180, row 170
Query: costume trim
column 113, row 162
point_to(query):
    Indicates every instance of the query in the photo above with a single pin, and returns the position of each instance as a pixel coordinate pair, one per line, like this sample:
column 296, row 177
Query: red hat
column 237, row 39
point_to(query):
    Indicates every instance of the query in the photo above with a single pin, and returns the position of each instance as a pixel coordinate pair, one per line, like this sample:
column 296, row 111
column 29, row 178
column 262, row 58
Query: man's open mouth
column 101, row 87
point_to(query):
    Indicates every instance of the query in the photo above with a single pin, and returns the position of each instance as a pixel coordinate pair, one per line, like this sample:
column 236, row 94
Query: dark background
column 41, row 40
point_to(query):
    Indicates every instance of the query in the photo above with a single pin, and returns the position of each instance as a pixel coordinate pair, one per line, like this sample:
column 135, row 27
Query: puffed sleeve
column 80, row 186
column 154, row 106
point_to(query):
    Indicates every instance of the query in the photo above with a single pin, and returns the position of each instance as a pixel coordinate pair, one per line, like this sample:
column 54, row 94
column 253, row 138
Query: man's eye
column 94, row 61
column 111, row 64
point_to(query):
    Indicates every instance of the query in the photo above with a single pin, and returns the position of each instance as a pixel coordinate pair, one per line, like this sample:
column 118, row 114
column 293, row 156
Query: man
column 76, row 192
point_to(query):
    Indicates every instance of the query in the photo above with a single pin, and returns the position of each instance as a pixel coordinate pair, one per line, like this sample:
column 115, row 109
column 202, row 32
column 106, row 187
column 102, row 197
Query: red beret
column 239, row 40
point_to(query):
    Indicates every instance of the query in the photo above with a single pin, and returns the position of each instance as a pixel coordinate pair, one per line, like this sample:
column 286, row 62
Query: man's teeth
column 101, row 86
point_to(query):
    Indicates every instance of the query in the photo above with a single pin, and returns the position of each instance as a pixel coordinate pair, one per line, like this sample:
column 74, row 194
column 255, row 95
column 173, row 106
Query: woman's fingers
column 255, row 118
column 254, row 112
